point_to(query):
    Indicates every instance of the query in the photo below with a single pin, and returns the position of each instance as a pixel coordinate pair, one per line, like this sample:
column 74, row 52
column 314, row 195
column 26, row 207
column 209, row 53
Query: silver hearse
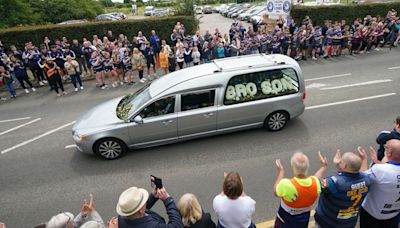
column 226, row 95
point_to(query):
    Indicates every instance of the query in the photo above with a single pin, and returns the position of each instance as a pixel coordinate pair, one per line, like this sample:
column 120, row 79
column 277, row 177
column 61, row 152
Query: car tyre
column 276, row 121
column 110, row 148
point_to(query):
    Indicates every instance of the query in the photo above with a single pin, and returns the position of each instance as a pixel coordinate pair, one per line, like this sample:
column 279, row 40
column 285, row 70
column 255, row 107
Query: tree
column 16, row 12
column 55, row 11
column 185, row 7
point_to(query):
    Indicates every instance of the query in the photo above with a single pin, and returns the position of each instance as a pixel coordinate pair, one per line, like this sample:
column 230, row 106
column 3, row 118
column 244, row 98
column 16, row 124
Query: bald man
column 342, row 194
column 381, row 207
column 299, row 193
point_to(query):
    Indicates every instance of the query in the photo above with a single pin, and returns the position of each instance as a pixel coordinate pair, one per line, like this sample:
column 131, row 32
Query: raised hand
column 338, row 158
column 322, row 160
column 373, row 154
column 361, row 153
column 279, row 165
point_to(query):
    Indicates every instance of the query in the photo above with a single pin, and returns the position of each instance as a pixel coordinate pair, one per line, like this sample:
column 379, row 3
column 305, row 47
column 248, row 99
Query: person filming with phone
column 134, row 206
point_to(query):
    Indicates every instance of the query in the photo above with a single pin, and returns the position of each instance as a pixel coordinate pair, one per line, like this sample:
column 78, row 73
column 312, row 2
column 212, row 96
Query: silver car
column 225, row 95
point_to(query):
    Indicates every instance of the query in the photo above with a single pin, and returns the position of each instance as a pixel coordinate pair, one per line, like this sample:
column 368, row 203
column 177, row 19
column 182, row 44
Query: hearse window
column 197, row 100
column 261, row 85
column 161, row 107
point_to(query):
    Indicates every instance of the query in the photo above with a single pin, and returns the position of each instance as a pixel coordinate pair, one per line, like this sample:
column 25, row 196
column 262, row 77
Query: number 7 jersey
column 340, row 202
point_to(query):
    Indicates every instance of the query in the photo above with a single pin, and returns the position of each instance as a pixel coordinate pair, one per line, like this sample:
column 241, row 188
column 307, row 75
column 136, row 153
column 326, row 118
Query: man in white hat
column 134, row 206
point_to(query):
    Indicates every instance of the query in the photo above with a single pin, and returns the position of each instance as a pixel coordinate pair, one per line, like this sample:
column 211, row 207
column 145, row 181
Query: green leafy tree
column 55, row 11
column 185, row 7
column 16, row 12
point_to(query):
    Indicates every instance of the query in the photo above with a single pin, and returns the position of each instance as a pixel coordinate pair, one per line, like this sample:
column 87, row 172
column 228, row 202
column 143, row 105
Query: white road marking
column 350, row 101
column 328, row 77
column 315, row 86
column 19, row 126
column 358, row 84
column 71, row 146
column 394, row 68
column 36, row 138
column 10, row 120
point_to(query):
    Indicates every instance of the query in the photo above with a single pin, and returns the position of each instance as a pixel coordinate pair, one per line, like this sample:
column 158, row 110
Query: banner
column 278, row 8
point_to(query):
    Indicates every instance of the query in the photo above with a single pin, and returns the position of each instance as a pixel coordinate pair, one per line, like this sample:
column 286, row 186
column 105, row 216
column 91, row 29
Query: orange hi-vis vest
column 49, row 71
column 306, row 197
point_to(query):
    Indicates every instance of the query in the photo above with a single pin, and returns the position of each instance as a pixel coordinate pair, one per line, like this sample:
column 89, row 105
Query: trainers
column 41, row 83
column 76, row 89
column 113, row 85
column 64, row 93
column 106, row 86
column 3, row 99
column 81, row 87
column 102, row 87
column 313, row 58
column 121, row 83
column 26, row 91
column 58, row 94
column 142, row 80
column 45, row 81
column 33, row 89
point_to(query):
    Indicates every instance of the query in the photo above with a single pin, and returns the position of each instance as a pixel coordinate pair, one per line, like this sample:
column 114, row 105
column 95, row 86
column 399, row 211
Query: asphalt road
column 42, row 177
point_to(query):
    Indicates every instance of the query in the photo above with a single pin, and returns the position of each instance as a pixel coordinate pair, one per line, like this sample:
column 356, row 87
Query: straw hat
column 131, row 201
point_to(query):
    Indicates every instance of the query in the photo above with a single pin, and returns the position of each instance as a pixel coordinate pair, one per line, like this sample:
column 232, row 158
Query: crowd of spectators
column 355, row 193
column 114, row 59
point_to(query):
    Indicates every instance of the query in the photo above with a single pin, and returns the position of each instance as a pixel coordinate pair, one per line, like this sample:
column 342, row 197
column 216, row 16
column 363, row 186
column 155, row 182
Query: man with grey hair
column 299, row 193
column 381, row 207
column 342, row 194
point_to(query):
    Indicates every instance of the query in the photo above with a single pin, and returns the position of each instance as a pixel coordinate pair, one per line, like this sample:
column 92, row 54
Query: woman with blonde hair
column 138, row 63
column 192, row 214
column 163, row 56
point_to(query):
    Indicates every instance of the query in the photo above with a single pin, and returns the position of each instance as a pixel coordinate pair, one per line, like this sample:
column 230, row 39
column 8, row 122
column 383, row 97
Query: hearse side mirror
column 138, row 119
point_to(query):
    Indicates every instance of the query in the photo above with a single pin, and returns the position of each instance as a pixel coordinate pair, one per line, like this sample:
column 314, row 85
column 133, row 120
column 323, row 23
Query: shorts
column 149, row 63
column 89, row 65
column 316, row 45
column 119, row 66
column 98, row 70
column 336, row 42
column 304, row 47
column 108, row 69
column 127, row 68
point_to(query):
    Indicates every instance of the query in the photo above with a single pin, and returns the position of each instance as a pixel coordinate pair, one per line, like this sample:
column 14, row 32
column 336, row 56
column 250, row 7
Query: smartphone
column 156, row 182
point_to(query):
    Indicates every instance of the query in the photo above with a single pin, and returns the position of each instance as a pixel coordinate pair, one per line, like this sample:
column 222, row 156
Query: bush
column 342, row 12
column 162, row 25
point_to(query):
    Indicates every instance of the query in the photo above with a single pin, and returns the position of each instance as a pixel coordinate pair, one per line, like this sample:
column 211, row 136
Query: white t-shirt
column 234, row 213
column 383, row 199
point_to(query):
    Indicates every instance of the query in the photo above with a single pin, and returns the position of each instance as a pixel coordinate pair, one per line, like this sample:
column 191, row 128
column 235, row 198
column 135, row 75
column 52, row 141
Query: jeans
column 11, row 89
column 140, row 74
column 25, row 78
column 14, row 78
column 76, row 78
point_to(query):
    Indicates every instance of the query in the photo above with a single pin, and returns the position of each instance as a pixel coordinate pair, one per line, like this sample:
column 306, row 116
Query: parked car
column 149, row 10
column 249, row 12
column 207, row 9
column 225, row 11
column 70, row 22
column 261, row 11
column 235, row 15
column 198, row 10
column 234, row 11
column 227, row 95
column 110, row 17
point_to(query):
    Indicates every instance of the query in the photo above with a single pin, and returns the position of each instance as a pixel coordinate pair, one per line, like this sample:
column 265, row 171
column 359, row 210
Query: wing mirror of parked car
column 138, row 119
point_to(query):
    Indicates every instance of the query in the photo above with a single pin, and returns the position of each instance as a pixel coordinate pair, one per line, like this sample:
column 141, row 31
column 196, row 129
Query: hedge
column 342, row 12
column 162, row 25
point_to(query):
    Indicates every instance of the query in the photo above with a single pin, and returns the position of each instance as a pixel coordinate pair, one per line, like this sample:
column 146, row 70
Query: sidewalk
column 270, row 223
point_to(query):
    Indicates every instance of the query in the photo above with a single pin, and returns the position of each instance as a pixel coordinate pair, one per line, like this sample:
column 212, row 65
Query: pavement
column 349, row 100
